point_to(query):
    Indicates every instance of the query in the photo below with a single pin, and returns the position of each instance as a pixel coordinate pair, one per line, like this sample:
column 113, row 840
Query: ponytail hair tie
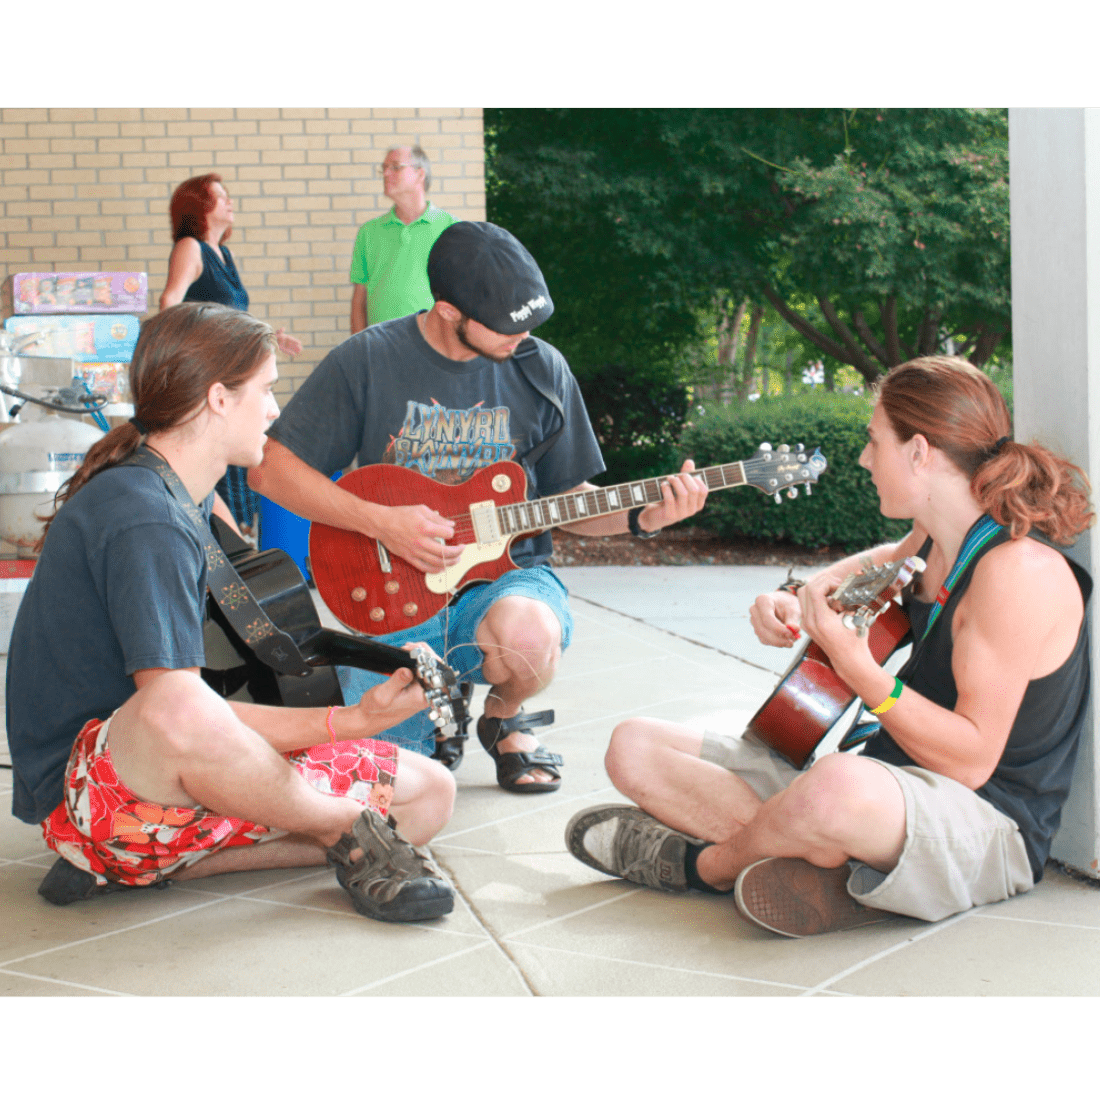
column 1000, row 443
column 141, row 429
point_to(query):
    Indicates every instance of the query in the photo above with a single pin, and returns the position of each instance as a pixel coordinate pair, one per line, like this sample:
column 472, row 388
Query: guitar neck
column 331, row 647
column 546, row 512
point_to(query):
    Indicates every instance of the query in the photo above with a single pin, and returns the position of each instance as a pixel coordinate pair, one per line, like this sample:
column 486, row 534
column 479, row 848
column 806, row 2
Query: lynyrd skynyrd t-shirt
column 386, row 396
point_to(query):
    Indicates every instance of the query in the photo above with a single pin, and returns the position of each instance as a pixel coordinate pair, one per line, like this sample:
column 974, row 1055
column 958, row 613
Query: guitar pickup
column 483, row 516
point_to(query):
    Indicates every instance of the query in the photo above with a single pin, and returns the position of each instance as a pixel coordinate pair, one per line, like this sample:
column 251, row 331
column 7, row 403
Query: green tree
column 877, row 235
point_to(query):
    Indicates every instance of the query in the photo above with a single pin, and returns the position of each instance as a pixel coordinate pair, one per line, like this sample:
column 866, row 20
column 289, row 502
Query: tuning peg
column 799, row 447
column 778, row 499
column 784, row 449
column 809, row 490
column 792, row 492
column 765, row 447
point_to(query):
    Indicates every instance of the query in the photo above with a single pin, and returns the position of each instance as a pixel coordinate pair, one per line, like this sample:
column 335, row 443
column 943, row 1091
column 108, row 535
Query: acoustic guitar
column 279, row 588
column 811, row 698
column 372, row 591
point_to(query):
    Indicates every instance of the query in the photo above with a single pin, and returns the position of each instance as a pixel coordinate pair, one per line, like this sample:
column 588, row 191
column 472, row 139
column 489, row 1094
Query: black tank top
column 219, row 282
column 1031, row 781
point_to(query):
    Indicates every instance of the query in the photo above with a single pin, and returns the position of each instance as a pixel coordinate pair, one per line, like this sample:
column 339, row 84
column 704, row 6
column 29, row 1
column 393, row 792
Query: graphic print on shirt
column 450, row 445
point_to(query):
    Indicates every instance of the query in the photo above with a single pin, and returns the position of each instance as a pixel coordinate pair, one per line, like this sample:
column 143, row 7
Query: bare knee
column 427, row 797
column 827, row 799
column 182, row 715
column 521, row 632
column 630, row 754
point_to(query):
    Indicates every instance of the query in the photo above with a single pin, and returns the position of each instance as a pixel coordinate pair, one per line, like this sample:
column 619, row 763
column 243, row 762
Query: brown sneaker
column 795, row 898
column 390, row 880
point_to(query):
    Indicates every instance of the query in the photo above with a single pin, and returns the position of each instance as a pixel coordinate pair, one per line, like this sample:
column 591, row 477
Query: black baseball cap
column 486, row 273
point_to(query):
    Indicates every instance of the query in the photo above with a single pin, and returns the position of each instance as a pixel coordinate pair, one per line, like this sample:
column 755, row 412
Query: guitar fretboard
column 537, row 515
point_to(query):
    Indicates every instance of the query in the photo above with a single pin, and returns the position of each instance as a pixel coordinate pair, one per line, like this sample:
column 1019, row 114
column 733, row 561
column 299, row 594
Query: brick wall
column 88, row 190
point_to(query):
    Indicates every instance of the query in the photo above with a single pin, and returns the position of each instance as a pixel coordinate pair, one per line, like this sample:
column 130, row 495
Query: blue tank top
column 219, row 282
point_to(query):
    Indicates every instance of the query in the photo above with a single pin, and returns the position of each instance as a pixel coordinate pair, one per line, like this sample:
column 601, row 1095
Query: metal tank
column 39, row 448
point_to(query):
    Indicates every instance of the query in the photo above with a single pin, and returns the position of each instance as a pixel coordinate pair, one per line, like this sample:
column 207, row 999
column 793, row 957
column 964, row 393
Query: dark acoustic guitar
column 374, row 592
column 279, row 588
column 811, row 698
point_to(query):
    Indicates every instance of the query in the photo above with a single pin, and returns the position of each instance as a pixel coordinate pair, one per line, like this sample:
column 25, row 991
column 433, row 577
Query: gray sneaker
column 391, row 880
column 627, row 842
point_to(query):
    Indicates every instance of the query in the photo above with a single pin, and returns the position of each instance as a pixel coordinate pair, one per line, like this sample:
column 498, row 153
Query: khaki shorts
column 960, row 850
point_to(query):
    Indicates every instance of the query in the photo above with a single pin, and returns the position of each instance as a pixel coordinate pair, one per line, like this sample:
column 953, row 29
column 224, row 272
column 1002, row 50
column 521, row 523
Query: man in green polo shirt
column 389, row 263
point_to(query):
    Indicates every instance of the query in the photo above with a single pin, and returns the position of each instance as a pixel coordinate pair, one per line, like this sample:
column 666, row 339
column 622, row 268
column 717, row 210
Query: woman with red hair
column 201, row 269
column 959, row 789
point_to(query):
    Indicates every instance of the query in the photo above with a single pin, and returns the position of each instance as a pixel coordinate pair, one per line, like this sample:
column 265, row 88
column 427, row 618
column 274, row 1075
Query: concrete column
column 1054, row 161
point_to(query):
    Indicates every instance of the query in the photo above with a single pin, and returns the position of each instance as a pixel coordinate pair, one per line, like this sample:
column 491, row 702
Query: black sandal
column 512, row 766
column 449, row 750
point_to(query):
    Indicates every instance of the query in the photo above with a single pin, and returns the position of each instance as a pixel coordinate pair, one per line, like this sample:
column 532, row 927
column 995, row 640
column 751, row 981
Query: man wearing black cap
column 448, row 392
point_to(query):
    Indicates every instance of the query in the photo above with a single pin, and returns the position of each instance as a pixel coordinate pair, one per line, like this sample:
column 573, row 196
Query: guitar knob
column 358, row 594
column 377, row 614
column 409, row 609
column 392, row 588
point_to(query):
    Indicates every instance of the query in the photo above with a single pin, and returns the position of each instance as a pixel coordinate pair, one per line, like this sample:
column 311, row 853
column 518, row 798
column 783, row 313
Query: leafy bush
column 638, row 416
column 843, row 510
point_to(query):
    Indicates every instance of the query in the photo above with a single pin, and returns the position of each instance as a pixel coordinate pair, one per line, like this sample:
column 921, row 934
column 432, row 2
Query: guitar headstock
column 784, row 469
column 446, row 701
column 863, row 596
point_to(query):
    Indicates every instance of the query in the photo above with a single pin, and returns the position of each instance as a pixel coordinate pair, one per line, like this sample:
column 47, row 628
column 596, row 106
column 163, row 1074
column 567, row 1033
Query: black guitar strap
column 526, row 348
column 273, row 646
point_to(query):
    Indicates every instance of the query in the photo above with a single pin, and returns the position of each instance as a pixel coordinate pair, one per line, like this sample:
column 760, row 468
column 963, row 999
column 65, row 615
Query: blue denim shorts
column 451, row 634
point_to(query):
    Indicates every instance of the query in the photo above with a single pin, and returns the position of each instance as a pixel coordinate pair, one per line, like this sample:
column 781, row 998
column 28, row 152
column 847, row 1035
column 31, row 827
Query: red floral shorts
column 103, row 827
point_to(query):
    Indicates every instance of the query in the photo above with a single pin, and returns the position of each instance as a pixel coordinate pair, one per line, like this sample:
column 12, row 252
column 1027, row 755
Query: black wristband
column 635, row 529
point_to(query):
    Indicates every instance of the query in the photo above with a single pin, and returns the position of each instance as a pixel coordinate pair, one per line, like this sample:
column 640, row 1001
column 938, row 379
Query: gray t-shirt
column 386, row 396
column 120, row 587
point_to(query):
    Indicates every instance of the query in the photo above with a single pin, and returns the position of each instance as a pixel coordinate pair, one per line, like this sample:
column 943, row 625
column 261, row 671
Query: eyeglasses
column 384, row 168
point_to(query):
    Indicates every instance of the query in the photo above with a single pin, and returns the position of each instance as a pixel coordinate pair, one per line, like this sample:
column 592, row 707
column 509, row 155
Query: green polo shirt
column 392, row 259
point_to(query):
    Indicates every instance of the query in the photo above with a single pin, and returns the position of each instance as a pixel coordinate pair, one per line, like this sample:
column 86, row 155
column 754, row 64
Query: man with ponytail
column 954, row 801
column 141, row 774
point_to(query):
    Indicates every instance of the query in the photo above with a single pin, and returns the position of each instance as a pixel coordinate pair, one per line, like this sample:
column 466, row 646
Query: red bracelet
column 328, row 723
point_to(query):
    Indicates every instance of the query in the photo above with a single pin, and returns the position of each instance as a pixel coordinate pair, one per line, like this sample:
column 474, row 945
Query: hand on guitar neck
column 854, row 624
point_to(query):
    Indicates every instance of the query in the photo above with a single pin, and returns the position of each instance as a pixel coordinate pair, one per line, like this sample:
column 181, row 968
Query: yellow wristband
column 890, row 699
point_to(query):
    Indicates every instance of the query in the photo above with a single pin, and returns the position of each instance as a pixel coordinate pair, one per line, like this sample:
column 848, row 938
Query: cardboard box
column 15, row 575
column 106, row 338
column 77, row 292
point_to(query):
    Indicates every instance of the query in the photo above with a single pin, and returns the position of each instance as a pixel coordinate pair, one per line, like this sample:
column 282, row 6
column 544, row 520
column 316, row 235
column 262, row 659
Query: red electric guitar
column 375, row 592
column 811, row 697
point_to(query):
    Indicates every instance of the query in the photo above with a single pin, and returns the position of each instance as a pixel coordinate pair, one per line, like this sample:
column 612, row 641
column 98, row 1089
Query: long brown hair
column 961, row 412
column 181, row 352
column 191, row 202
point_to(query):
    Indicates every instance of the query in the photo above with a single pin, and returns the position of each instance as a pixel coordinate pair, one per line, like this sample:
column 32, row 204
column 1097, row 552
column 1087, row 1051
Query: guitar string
column 542, row 502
